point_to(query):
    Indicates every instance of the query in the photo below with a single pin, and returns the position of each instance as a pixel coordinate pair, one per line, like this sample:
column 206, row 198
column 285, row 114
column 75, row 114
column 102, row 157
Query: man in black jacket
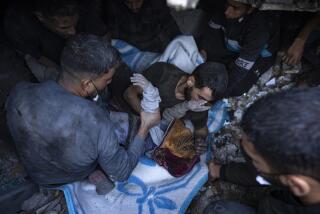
column 282, row 148
column 146, row 24
column 243, row 38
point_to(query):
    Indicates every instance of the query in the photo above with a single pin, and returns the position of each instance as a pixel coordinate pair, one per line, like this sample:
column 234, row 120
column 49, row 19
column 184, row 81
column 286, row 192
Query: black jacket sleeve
column 239, row 173
column 255, row 39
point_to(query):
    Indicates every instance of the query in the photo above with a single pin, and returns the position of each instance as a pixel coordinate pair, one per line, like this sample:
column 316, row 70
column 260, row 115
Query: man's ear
column 191, row 81
column 298, row 184
column 86, row 86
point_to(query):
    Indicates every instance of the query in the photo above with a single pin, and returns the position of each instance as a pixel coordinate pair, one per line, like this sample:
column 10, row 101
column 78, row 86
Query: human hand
column 197, row 105
column 294, row 53
column 140, row 80
column 148, row 120
column 214, row 170
column 201, row 146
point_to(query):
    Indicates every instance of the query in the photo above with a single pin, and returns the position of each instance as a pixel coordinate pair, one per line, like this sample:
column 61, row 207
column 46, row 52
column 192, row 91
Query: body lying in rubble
column 281, row 148
column 60, row 134
column 244, row 40
column 184, row 96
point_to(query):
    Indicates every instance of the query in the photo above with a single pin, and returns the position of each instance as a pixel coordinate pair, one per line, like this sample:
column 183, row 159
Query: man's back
column 151, row 29
column 55, row 132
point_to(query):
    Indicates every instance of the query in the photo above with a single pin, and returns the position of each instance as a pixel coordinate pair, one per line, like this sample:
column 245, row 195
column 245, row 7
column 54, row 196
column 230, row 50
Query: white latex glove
column 140, row 80
column 197, row 105
column 151, row 98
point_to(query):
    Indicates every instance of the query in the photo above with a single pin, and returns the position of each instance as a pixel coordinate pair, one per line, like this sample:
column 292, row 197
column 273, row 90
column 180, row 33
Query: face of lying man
column 301, row 186
column 192, row 92
column 134, row 5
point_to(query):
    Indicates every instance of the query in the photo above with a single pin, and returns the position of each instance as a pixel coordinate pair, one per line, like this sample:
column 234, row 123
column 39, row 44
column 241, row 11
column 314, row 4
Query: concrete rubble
column 225, row 145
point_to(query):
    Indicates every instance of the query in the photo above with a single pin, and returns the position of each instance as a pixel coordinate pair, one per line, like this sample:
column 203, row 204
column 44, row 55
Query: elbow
column 123, row 178
column 124, row 172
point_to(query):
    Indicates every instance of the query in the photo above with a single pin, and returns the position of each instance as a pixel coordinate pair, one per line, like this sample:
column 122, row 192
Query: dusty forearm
column 121, row 166
column 43, row 69
column 176, row 112
column 48, row 62
column 143, row 131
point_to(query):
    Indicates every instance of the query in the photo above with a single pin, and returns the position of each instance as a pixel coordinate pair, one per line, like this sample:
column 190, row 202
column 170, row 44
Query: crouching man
column 282, row 146
column 244, row 39
column 62, row 135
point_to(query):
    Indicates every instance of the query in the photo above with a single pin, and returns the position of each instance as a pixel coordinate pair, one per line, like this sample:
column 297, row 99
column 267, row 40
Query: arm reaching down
column 117, row 162
column 295, row 51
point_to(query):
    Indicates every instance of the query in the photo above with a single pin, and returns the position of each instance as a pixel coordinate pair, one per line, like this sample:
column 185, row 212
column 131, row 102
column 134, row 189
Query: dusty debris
column 45, row 202
column 225, row 146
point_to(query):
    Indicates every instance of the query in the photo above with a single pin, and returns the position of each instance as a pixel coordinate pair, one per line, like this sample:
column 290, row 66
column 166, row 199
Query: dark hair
column 285, row 130
column 213, row 75
column 51, row 8
column 88, row 54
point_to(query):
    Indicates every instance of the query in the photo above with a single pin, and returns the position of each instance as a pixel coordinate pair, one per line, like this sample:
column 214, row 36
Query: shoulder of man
column 161, row 71
column 256, row 21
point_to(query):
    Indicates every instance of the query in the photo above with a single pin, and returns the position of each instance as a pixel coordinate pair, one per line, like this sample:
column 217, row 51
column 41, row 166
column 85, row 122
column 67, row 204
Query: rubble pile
column 225, row 146
column 12, row 172
column 225, row 143
column 45, row 202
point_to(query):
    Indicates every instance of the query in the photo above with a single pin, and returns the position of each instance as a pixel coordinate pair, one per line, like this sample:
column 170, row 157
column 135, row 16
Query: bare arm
column 43, row 68
column 294, row 53
column 200, row 140
column 175, row 112
column 133, row 96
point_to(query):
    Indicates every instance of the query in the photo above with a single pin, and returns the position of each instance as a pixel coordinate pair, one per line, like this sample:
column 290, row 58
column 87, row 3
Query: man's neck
column 69, row 87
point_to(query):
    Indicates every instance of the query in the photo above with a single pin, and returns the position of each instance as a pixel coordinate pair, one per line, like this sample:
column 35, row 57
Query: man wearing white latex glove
column 151, row 97
column 182, row 95
column 140, row 80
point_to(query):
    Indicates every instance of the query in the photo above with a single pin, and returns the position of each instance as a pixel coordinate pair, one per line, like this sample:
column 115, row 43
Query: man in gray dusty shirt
column 61, row 135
